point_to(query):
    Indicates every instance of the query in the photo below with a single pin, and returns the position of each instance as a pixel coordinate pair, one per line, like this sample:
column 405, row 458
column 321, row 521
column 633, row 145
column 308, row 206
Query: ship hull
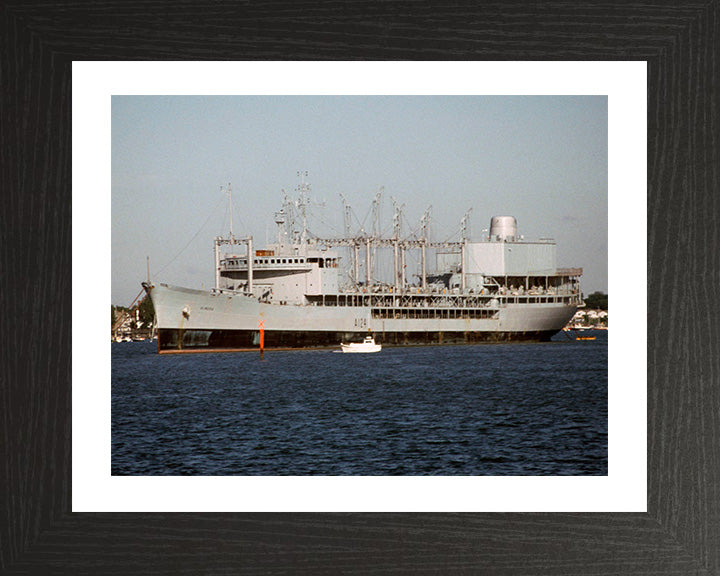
column 195, row 320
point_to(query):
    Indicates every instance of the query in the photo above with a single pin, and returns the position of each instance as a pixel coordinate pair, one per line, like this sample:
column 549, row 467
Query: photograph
column 455, row 246
column 258, row 188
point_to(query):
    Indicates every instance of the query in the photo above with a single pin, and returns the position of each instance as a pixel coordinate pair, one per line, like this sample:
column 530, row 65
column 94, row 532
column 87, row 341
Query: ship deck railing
column 435, row 313
column 449, row 301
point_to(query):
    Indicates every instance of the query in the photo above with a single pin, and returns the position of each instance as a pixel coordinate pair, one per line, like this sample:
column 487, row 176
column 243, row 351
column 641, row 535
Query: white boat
column 367, row 345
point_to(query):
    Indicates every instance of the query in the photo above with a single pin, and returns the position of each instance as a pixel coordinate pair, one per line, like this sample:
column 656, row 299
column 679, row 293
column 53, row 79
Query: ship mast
column 423, row 246
column 463, row 248
column 370, row 239
column 280, row 221
column 398, row 263
column 219, row 241
column 355, row 247
column 302, row 204
column 229, row 193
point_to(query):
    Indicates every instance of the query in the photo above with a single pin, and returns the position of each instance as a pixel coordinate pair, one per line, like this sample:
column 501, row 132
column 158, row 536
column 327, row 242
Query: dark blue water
column 497, row 409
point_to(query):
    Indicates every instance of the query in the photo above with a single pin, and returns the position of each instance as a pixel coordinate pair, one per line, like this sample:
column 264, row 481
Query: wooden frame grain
column 680, row 533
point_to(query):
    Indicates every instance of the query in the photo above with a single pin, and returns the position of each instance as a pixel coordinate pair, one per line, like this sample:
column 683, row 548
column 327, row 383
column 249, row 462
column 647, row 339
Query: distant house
column 585, row 318
column 125, row 323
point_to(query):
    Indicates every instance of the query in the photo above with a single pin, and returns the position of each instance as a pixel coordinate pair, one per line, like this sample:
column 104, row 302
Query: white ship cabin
column 504, row 263
column 282, row 274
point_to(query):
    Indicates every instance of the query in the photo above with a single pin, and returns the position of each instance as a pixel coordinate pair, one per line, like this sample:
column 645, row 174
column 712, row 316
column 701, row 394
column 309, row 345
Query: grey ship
column 502, row 288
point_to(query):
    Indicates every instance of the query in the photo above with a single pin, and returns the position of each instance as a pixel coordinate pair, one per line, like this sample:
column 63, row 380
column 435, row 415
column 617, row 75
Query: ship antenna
column 376, row 229
column 463, row 249
column 399, row 274
column 302, row 203
column 229, row 192
column 423, row 247
column 464, row 225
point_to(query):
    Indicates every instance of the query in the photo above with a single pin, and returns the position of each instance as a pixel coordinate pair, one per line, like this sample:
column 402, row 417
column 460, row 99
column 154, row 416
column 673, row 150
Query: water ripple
column 531, row 409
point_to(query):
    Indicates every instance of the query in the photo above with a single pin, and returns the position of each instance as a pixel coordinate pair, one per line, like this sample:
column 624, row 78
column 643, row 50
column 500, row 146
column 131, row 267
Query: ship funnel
column 503, row 228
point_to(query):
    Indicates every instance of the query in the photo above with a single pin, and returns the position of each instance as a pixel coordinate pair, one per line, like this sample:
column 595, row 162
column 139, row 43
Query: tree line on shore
column 597, row 301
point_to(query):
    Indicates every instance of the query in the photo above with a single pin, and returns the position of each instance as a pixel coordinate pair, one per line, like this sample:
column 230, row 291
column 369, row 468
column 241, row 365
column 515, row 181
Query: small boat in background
column 367, row 345
column 576, row 332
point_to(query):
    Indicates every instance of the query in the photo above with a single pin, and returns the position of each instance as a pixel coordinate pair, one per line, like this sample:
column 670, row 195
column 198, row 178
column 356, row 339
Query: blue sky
column 542, row 159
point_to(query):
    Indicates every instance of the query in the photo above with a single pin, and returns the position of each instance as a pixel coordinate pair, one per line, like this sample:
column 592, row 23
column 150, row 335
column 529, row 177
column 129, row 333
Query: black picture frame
column 680, row 533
